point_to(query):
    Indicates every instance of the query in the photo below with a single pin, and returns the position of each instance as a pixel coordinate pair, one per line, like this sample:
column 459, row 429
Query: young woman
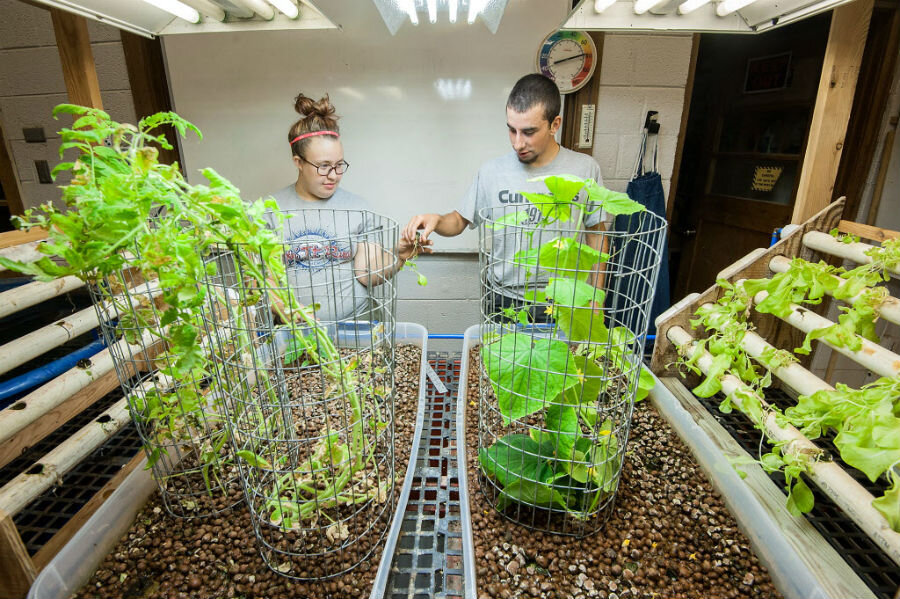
column 334, row 243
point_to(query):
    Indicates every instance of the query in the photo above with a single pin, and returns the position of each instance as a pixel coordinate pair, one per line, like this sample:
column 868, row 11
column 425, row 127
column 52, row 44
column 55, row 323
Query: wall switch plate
column 34, row 135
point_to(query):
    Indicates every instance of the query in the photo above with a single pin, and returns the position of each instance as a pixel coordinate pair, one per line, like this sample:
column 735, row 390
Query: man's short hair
column 532, row 90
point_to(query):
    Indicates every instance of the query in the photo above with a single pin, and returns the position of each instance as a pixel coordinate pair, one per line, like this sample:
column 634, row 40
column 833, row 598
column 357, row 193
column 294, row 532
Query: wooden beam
column 79, row 71
column 17, row 571
column 588, row 94
column 867, row 231
column 871, row 99
column 11, row 238
column 837, row 86
column 682, row 128
column 149, row 85
column 46, row 553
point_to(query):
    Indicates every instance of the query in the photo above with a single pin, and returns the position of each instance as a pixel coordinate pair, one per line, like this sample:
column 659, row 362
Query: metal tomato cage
column 181, row 422
column 309, row 387
column 551, row 445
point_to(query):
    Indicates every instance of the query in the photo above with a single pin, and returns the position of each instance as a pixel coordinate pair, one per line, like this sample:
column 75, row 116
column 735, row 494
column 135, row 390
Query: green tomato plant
column 571, row 461
column 127, row 212
column 865, row 421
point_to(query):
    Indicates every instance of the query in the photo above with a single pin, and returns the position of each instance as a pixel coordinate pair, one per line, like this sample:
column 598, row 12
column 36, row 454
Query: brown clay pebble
column 678, row 530
column 218, row 556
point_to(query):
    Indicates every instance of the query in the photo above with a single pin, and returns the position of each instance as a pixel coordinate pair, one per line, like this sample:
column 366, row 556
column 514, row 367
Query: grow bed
column 218, row 556
column 670, row 534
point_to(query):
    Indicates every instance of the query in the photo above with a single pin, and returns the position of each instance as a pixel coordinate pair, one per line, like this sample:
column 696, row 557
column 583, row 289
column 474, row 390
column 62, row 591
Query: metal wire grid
column 869, row 562
column 428, row 561
column 514, row 266
column 46, row 515
column 311, row 403
column 184, row 434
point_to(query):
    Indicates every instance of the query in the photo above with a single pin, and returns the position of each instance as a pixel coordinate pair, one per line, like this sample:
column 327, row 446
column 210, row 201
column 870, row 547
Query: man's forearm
column 451, row 224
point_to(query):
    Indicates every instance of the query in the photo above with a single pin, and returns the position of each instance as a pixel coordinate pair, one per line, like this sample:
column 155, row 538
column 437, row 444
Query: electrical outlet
column 43, row 171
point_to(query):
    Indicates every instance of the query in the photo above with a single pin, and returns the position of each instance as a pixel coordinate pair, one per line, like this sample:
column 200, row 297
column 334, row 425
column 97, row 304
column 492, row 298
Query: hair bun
column 308, row 108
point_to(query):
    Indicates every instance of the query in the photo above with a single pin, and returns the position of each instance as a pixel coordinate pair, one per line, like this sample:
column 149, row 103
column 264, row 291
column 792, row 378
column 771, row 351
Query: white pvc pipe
column 26, row 252
column 871, row 355
column 32, row 294
column 823, row 242
column 47, row 397
column 889, row 309
column 843, row 489
column 24, row 488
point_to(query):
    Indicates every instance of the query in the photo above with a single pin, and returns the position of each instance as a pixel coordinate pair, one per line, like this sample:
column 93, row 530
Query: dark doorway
column 751, row 106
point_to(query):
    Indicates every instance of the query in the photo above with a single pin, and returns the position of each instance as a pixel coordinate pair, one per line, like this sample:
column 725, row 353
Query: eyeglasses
column 325, row 169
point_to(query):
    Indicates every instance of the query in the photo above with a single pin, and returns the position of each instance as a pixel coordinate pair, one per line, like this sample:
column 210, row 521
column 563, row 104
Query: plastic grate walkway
column 428, row 561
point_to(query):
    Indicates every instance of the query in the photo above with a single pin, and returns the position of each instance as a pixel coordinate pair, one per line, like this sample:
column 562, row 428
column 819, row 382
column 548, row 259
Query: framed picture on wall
column 767, row 73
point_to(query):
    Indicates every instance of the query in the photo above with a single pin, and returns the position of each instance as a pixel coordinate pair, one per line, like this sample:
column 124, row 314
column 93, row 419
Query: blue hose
column 40, row 375
column 445, row 336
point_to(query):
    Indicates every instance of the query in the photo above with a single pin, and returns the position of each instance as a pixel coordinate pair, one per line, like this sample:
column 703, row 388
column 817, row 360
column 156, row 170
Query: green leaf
column 525, row 377
column 561, row 426
column 568, row 258
column 646, row 382
column 613, row 202
column 515, row 457
column 254, row 460
column 564, row 188
column 800, row 499
column 572, row 292
column 530, row 493
column 889, row 504
column 514, row 218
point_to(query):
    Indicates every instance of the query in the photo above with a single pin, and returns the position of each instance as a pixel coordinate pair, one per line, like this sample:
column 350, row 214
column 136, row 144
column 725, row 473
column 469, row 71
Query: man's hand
column 407, row 249
column 428, row 222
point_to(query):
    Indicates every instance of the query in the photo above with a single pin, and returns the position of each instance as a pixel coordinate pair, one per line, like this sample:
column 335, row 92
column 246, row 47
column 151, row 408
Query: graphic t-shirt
column 498, row 184
column 321, row 240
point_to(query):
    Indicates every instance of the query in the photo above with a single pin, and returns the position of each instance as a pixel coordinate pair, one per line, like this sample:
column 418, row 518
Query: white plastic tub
column 82, row 555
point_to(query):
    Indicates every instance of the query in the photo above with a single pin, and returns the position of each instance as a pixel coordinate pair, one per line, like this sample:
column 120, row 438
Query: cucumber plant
column 566, row 379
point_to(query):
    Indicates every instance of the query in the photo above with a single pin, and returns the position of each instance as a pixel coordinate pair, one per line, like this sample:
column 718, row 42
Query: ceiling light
column 475, row 7
column 690, row 5
column 726, row 7
column 642, row 6
column 453, row 8
column 263, row 9
column 432, row 10
column 207, row 9
column 287, row 8
column 601, row 5
column 179, row 9
column 396, row 12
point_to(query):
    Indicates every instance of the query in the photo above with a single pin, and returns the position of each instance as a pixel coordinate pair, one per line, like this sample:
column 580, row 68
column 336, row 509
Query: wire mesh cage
column 564, row 322
column 180, row 418
column 309, row 387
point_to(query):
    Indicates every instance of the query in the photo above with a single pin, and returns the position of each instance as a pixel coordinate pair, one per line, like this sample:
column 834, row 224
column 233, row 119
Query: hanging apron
column 646, row 188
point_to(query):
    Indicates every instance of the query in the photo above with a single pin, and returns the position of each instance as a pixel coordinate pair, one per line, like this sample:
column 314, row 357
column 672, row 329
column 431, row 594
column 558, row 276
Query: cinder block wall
column 640, row 72
column 31, row 84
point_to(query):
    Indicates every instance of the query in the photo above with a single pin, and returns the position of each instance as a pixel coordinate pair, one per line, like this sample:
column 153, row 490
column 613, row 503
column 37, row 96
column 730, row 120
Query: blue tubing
column 49, row 371
column 445, row 336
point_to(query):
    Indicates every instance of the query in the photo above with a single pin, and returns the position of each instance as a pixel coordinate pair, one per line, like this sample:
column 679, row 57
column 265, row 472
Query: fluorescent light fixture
column 726, row 7
column 432, row 10
column 601, row 5
column 642, row 6
column 690, row 6
column 287, row 8
column 452, row 8
column 475, row 7
column 411, row 11
column 207, row 9
column 453, row 89
column 260, row 7
column 178, row 9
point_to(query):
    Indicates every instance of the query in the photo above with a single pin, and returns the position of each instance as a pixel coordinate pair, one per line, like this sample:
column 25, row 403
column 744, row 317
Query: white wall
column 31, row 84
column 640, row 72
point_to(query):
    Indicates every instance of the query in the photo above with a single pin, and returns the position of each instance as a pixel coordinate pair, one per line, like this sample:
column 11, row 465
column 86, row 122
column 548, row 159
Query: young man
column 532, row 119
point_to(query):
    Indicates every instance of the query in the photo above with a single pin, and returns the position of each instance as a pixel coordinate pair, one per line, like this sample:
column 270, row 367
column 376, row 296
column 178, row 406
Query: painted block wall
column 31, row 84
column 640, row 72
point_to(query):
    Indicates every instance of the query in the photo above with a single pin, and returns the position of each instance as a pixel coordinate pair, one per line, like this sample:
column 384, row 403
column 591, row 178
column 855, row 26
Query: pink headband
column 311, row 134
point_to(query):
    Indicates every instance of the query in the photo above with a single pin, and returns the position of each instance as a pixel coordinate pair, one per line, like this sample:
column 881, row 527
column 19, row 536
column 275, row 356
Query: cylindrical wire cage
column 309, row 387
column 564, row 321
column 181, row 420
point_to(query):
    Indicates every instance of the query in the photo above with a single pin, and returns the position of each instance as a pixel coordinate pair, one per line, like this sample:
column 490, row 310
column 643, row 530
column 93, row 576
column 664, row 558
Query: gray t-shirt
column 497, row 185
column 321, row 240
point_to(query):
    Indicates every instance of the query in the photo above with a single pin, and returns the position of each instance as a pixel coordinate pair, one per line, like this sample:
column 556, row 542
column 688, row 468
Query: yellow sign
column 765, row 177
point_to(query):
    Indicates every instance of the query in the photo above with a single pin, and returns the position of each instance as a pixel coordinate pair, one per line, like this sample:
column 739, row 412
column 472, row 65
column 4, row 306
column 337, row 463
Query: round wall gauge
column 569, row 58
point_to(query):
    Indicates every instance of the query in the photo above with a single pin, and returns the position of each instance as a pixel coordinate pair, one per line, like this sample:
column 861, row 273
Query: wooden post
column 77, row 59
column 574, row 101
column 837, row 85
column 17, row 571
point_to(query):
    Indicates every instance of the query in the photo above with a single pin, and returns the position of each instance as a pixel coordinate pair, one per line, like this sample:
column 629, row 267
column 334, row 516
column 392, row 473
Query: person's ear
column 554, row 124
column 297, row 161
